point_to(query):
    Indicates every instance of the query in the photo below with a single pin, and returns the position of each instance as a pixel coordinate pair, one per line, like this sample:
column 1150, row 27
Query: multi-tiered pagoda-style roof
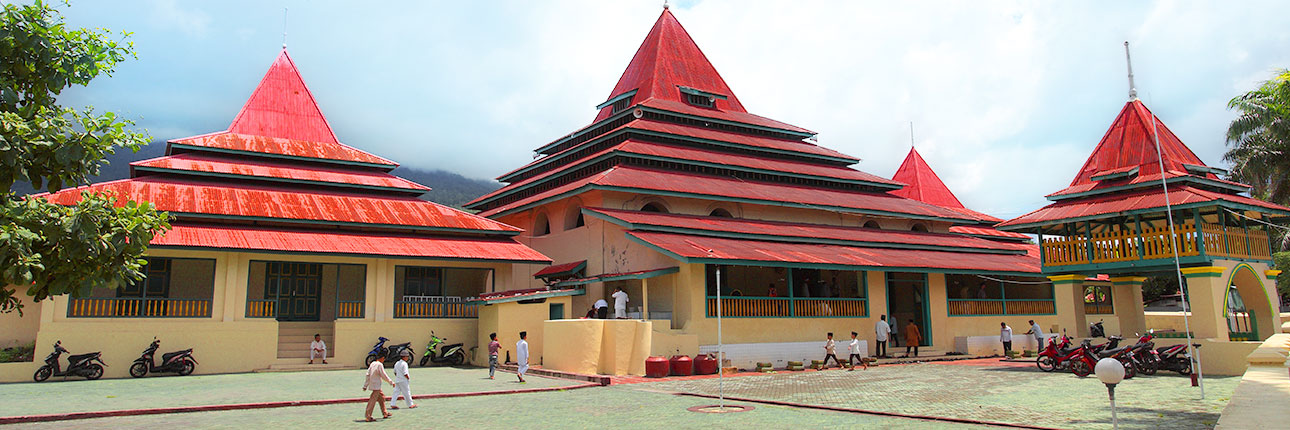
column 922, row 184
column 278, row 180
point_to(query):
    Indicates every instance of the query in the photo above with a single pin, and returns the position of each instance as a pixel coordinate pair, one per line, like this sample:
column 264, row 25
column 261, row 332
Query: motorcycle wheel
column 425, row 359
column 370, row 359
column 1080, row 368
column 1148, row 367
column 458, row 358
column 138, row 370
column 1046, row 364
column 1130, row 369
column 95, row 372
column 187, row 368
column 1184, row 367
column 43, row 373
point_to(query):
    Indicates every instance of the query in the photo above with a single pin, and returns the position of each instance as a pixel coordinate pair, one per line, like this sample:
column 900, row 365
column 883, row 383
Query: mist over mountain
column 447, row 188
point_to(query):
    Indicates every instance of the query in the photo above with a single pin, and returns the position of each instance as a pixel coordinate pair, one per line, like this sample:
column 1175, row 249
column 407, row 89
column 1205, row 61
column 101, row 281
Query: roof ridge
column 923, row 184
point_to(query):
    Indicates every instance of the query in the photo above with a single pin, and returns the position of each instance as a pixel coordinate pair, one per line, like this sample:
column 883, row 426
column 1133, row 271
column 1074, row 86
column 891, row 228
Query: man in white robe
column 317, row 349
column 620, row 303
column 402, row 381
column 522, row 355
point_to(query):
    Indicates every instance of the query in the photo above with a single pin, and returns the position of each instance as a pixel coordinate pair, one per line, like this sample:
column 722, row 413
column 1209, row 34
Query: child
column 522, row 355
column 830, row 352
column 402, row 381
column 493, row 346
column 854, row 349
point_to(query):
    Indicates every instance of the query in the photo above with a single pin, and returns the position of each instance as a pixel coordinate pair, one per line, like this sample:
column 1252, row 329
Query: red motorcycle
column 1082, row 360
column 1053, row 356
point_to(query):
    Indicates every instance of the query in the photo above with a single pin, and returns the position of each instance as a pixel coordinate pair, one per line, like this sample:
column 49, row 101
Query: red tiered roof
column 1129, row 143
column 1122, row 203
column 347, row 243
column 923, row 185
column 212, row 164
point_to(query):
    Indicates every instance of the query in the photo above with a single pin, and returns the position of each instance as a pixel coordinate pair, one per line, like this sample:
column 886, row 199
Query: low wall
column 747, row 355
column 990, row 345
column 1222, row 358
column 594, row 346
column 355, row 338
column 1260, row 398
column 19, row 372
column 671, row 342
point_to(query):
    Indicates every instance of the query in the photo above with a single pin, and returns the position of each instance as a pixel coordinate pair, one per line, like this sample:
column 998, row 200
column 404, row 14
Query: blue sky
column 1007, row 98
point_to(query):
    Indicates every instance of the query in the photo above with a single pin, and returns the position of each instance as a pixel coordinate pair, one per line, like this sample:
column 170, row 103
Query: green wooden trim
column 348, row 254
column 1135, row 266
column 343, row 223
column 1153, row 210
column 777, row 203
column 1198, row 169
column 546, row 295
column 385, row 167
column 769, row 263
column 1117, row 175
column 698, row 92
column 615, row 99
column 595, row 125
column 411, row 191
column 804, row 135
column 791, row 239
column 1150, row 184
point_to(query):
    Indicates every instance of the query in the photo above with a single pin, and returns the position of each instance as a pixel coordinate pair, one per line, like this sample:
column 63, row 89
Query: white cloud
column 168, row 14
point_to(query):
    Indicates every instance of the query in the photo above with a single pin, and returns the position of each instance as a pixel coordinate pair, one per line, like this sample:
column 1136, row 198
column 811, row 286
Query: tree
column 1259, row 141
column 53, row 249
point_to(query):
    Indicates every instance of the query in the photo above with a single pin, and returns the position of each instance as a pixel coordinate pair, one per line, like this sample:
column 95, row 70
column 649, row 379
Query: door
column 907, row 300
column 557, row 311
column 1241, row 325
column 297, row 287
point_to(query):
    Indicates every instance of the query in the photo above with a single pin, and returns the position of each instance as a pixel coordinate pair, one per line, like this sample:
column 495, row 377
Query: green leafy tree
column 1259, row 142
column 46, row 248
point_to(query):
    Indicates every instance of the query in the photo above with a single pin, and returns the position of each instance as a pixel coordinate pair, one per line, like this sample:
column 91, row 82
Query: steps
column 302, row 365
column 294, row 338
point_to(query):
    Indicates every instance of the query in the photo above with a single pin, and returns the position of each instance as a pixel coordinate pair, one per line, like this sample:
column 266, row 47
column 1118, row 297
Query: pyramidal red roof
column 1130, row 143
column 669, row 59
column 922, row 183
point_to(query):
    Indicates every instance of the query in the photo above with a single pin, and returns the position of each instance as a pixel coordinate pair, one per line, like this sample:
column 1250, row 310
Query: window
column 720, row 212
column 573, row 218
column 155, row 282
column 541, row 225
column 1097, row 300
column 170, row 288
column 438, row 292
column 872, row 224
column 623, row 104
column 758, row 291
column 700, row 100
column 654, row 207
column 919, row 227
column 422, row 281
column 974, row 295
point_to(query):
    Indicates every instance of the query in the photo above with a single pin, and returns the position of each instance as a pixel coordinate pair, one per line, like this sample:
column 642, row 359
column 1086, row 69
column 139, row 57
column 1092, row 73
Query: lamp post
column 1110, row 372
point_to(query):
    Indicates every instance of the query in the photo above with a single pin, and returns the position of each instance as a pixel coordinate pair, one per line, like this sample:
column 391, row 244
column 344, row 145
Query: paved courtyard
column 984, row 390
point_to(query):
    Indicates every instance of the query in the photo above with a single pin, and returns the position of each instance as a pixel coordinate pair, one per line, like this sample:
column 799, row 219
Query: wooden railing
column 256, row 308
column 772, row 307
column 135, row 307
column 1097, row 309
column 349, row 309
column 418, row 309
column 975, row 307
column 1155, row 243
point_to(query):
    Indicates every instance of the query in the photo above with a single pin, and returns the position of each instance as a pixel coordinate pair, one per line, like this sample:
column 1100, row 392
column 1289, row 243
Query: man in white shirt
column 1038, row 333
column 522, row 355
column 317, row 349
column 402, row 381
column 376, row 374
column 620, row 303
column 602, row 309
column 853, row 349
column 881, row 330
column 1005, row 336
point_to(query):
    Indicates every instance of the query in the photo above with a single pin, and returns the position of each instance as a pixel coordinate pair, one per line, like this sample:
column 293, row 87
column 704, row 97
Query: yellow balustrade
column 261, row 308
column 976, row 307
column 1096, row 309
column 1155, row 243
column 434, row 310
column 134, row 307
column 349, row 309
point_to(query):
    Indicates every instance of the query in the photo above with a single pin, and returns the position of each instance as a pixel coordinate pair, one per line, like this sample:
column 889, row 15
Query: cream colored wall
column 593, row 346
column 510, row 318
column 21, row 329
column 355, row 338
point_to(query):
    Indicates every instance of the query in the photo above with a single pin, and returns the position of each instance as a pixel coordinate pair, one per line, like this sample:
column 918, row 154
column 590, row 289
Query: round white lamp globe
column 1109, row 371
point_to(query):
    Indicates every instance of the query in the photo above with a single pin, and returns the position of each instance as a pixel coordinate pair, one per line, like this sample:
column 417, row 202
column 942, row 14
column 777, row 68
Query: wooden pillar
column 645, row 299
column 1069, row 292
column 1126, row 293
column 1206, row 292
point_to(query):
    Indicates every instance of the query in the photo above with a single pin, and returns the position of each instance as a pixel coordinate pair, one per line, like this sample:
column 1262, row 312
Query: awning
column 986, row 232
column 1149, row 200
column 716, row 250
column 559, row 270
column 640, row 274
column 375, row 245
column 520, row 295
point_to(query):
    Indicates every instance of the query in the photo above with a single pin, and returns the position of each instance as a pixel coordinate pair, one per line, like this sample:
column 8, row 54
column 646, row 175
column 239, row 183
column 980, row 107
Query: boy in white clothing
column 853, row 348
column 522, row 356
column 402, row 381
column 829, row 351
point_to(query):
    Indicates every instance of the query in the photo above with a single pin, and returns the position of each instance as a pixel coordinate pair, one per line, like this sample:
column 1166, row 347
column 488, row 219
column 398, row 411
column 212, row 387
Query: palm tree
column 1259, row 139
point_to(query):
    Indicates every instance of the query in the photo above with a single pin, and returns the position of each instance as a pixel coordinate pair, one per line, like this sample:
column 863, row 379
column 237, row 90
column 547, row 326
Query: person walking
column 493, row 347
column 829, row 351
column 376, row 374
column 620, row 303
column 402, row 381
column 912, row 338
column 853, row 351
column 1005, row 336
column 881, row 330
column 522, row 355
column 1038, row 333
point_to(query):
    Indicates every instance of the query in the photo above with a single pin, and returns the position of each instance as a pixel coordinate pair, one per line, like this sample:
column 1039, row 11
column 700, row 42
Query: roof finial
column 664, row 4
column 284, row 28
column 911, row 135
column 1133, row 90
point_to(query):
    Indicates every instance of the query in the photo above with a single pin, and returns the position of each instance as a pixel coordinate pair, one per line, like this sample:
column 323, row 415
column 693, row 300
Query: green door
column 557, row 311
column 907, row 300
column 297, row 288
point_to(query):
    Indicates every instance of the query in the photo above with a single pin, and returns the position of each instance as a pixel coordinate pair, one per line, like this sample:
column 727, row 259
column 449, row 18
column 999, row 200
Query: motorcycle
column 1142, row 354
column 1082, row 359
column 1124, row 355
column 181, row 362
column 1053, row 356
column 88, row 365
column 1174, row 358
column 380, row 350
column 451, row 354
column 1096, row 329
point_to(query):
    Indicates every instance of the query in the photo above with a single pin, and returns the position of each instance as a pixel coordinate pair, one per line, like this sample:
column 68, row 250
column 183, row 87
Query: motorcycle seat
column 167, row 356
column 79, row 357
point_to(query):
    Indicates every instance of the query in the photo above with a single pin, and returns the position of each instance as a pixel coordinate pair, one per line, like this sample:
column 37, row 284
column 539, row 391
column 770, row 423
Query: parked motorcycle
column 181, row 362
column 88, row 365
column 380, row 350
column 1083, row 359
column 1123, row 354
column 1096, row 329
column 1174, row 358
column 451, row 354
column 1142, row 354
column 1053, row 356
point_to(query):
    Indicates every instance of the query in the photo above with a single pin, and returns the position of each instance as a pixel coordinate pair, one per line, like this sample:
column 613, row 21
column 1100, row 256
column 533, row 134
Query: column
column 1206, row 292
column 645, row 299
column 1126, row 293
column 1069, row 293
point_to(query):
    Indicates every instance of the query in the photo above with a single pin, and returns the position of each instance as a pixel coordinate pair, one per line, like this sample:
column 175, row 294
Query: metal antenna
column 664, row 4
column 911, row 134
column 1133, row 90
column 284, row 28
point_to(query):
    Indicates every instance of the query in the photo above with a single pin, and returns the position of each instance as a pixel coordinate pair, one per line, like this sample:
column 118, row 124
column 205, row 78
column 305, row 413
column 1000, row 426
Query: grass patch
column 18, row 354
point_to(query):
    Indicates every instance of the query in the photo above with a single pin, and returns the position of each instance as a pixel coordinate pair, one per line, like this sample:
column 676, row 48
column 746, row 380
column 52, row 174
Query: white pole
column 721, row 387
column 1115, row 421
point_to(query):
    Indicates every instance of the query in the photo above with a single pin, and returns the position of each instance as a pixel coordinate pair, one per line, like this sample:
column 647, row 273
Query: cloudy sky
column 1007, row 98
